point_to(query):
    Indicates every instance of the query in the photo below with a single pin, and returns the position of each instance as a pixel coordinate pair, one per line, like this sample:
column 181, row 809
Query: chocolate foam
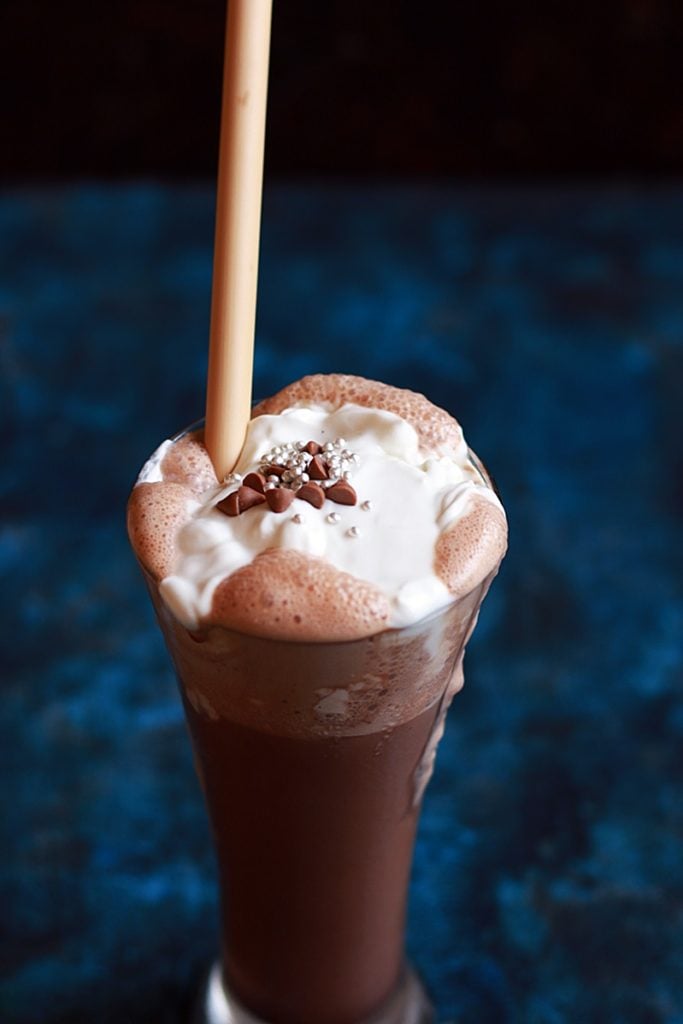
column 188, row 463
column 156, row 512
column 288, row 595
column 472, row 547
column 438, row 432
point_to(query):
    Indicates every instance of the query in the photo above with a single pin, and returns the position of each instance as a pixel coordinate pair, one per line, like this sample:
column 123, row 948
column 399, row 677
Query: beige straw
column 238, row 218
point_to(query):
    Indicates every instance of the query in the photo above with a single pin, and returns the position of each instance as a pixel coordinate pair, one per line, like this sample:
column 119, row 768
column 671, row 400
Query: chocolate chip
column 230, row 505
column 274, row 470
column 313, row 494
column 313, row 448
column 248, row 497
column 342, row 492
column 256, row 481
column 317, row 470
column 279, row 499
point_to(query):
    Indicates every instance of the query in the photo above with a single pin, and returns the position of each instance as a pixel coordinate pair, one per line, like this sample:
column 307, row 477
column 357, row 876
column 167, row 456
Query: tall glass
column 313, row 758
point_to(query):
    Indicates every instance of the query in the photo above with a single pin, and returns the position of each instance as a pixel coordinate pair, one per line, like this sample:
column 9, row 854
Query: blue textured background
column 548, row 885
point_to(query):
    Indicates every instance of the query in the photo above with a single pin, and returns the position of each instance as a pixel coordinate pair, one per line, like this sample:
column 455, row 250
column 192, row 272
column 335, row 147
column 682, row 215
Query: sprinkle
column 239, row 501
column 294, row 464
column 366, row 506
column 255, row 480
column 317, row 470
column 343, row 493
column 353, row 531
column 279, row 499
column 313, row 494
column 333, row 517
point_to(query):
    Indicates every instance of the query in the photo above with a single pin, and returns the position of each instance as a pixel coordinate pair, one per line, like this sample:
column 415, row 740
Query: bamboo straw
column 238, row 218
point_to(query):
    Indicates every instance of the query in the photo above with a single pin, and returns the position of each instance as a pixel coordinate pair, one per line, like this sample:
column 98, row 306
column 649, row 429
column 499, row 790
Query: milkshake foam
column 425, row 528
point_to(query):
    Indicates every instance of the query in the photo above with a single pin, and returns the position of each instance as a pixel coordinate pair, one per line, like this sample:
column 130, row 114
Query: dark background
column 478, row 90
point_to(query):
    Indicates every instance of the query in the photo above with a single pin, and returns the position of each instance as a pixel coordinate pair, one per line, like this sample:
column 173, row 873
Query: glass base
column 408, row 1005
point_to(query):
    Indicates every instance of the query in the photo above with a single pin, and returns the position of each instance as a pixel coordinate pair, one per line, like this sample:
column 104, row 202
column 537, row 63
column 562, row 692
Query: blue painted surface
column 548, row 884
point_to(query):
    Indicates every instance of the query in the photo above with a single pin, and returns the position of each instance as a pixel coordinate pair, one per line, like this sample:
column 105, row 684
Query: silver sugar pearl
column 340, row 442
column 273, row 479
column 346, row 475
column 297, row 519
column 366, row 506
column 333, row 517
column 270, row 486
column 353, row 531
column 304, row 478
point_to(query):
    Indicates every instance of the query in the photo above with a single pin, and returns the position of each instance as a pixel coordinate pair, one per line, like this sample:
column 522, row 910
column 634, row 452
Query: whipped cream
column 151, row 471
column 406, row 499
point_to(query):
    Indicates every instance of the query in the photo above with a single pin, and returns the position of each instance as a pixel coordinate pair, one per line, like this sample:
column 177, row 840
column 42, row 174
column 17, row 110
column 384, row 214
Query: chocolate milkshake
column 316, row 605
